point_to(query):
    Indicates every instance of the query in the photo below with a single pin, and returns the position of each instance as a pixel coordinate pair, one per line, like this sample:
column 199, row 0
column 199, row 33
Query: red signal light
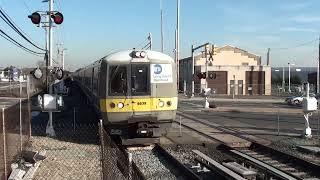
column 57, row 18
column 204, row 75
column 35, row 18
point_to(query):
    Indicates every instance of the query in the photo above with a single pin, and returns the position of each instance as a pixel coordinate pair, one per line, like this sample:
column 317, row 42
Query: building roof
column 241, row 51
column 230, row 48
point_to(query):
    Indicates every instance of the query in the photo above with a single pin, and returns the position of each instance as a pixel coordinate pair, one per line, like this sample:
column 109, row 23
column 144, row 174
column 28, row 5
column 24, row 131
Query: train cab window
column 140, row 79
column 117, row 80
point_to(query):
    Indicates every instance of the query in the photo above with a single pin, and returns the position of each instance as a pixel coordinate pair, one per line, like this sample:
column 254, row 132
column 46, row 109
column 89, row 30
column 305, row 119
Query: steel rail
column 175, row 162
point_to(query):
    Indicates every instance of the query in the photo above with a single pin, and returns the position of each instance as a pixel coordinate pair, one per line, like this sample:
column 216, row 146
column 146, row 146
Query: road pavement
column 255, row 122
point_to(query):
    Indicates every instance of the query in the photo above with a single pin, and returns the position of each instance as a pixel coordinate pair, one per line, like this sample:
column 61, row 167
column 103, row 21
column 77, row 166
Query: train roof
column 124, row 56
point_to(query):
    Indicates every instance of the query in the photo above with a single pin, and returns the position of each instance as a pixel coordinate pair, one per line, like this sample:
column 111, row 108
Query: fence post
column 179, row 126
column 278, row 122
column 20, row 116
column 130, row 166
column 4, row 144
column 318, row 124
column 20, row 90
column 28, row 87
column 102, row 148
column 74, row 119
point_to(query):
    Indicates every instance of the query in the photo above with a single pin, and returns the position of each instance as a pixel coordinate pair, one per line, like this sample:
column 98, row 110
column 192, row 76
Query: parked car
column 297, row 100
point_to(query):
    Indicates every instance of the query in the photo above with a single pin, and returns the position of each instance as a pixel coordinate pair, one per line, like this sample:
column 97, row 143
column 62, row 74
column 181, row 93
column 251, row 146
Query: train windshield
column 140, row 84
column 118, row 80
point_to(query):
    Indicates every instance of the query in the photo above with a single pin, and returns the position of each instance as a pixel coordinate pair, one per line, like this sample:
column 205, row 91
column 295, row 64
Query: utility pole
column 63, row 50
column 161, row 21
column 46, row 27
column 150, row 41
column 58, row 19
column 193, row 63
column 50, row 33
column 268, row 57
column 177, row 43
column 283, row 81
column 50, row 129
column 61, row 53
column 193, row 75
column 206, row 56
column 318, row 69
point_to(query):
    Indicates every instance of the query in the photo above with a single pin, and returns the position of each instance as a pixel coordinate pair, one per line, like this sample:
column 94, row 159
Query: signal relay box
column 310, row 104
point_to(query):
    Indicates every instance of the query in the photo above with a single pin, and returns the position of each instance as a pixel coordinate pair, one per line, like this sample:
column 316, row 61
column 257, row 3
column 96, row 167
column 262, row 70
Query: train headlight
column 169, row 103
column 120, row 105
column 142, row 54
column 161, row 103
column 137, row 54
column 112, row 105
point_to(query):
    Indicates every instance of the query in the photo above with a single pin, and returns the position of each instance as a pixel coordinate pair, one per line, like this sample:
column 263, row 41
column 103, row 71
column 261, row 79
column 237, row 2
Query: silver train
column 134, row 91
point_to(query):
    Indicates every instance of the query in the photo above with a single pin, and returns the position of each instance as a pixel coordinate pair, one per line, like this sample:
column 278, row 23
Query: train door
column 140, row 89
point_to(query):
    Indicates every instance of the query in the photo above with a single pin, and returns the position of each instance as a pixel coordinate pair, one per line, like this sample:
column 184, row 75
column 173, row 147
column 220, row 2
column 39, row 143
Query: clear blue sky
column 92, row 29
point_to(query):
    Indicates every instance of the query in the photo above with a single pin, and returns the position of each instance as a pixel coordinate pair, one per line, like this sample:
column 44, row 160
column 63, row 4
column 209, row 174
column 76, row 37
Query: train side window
column 118, row 80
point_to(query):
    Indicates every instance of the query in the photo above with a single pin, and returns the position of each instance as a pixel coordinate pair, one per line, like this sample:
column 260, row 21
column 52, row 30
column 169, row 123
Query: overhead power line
column 10, row 39
column 7, row 20
column 296, row 46
column 26, row 5
column 140, row 44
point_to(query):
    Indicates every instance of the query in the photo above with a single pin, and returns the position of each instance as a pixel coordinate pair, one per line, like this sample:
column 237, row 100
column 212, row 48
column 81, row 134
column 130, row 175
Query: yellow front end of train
column 135, row 92
column 141, row 94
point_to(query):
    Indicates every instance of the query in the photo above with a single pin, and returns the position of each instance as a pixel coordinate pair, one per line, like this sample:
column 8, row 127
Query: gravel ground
column 152, row 165
column 289, row 145
column 67, row 160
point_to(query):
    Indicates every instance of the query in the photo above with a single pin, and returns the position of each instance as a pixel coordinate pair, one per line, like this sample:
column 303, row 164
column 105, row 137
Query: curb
column 253, row 110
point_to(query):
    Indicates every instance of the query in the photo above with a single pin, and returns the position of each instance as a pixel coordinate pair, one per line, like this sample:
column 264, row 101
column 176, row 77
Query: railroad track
column 271, row 162
column 176, row 163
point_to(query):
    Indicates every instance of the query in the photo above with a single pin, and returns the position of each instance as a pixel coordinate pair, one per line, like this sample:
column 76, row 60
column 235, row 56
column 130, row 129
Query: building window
column 245, row 64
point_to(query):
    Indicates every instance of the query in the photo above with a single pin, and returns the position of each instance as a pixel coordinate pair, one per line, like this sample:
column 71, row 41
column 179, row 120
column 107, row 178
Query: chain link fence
column 20, row 89
column 73, row 153
column 248, row 89
column 116, row 162
column 14, row 132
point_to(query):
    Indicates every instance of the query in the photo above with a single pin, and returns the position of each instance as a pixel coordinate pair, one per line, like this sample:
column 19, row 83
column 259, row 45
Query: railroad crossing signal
column 212, row 53
column 57, row 18
column 202, row 75
column 35, row 18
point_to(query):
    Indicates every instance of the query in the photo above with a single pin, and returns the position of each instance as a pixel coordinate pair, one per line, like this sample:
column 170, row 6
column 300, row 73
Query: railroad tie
column 258, row 156
column 279, row 165
column 265, row 159
column 246, row 150
column 251, row 153
column 272, row 161
column 288, row 169
column 299, row 174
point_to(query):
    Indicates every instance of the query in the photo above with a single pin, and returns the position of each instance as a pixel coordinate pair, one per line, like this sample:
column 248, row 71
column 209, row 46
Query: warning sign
column 161, row 73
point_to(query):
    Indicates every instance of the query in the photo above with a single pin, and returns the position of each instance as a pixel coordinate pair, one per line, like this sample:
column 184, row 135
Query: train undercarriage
column 139, row 133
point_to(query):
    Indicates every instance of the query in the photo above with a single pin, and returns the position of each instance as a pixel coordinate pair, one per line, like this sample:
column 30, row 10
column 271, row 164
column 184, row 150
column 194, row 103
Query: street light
column 289, row 75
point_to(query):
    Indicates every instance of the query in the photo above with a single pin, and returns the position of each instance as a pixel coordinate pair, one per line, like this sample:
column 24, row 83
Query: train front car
column 141, row 97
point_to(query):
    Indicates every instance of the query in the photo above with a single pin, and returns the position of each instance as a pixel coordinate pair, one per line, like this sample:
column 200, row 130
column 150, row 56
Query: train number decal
column 141, row 103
